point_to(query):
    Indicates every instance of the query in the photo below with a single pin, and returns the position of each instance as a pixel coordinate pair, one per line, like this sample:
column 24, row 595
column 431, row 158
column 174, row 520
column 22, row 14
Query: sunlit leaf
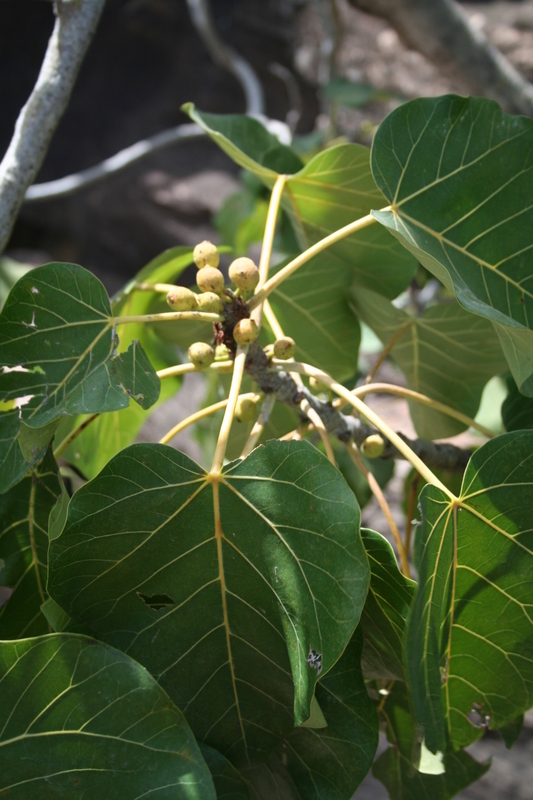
column 445, row 353
column 57, row 340
column 248, row 143
column 312, row 307
column 385, row 613
column 397, row 767
column 79, row 719
column 458, row 174
column 221, row 587
column 24, row 512
column 334, row 189
column 327, row 763
column 470, row 634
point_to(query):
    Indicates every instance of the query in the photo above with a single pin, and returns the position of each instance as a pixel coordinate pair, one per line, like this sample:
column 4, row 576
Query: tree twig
column 73, row 30
column 343, row 427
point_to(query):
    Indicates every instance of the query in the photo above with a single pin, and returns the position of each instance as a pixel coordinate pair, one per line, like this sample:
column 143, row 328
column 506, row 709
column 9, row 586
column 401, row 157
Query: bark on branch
column 441, row 31
column 341, row 426
column 75, row 25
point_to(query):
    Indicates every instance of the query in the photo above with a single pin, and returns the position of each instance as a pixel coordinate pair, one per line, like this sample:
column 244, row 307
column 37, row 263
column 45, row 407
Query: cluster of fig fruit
column 213, row 297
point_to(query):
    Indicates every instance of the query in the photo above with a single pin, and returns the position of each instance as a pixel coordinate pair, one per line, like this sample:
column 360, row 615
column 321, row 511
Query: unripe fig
column 201, row 355
column 206, row 254
column 284, row 348
column 244, row 274
column 246, row 409
column 373, row 446
column 245, row 331
column 181, row 299
column 210, row 279
column 211, row 302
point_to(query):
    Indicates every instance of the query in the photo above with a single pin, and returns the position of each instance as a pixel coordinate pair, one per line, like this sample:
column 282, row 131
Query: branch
column 224, row 56
column 441, row 31
column 346, row 428
column 73, row 30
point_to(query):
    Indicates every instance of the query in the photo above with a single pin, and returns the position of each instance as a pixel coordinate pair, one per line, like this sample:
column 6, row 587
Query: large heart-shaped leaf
column 385, row 613
column 458, row 175
column 470, row 634
column 57, row 341
column 235, row 591
column 334, row 189
column 398, row 767
column 445, row 353
column 111, row 432
column 325, row 763
column 79, row 719
column 24, row 512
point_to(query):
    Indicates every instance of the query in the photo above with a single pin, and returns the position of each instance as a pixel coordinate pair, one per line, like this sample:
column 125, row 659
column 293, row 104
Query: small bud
column 222, row 352
column 181, row 299
column 210, row 279
column 284, row 348
column 245, row 331
column 246, row 409
column 244, row 274
column 373, row 446
column 210, row 302
column 201, row 355
column 206, row 254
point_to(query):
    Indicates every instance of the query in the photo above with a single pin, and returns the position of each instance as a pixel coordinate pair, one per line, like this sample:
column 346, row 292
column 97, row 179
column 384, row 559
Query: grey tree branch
column 344, row 427
column 71, row 183
column 223, row 55
column 441, row 31
column 73, row 30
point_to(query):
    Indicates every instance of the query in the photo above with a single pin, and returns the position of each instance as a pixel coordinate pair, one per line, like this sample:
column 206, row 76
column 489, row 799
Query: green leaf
column 24, row 512
column 458, row 174
column 385, row 613
column 219, row 586
column 248, row 143
column 397, row 767
column 137, row 375
column 512, row 731
column 56, row 338
column 445, row 353
column 311, row 307
column 469, row 641
column 79, row 719
column 517, row 410
column 229, row 784
column 13, row 465
column 325, row 763
column 334, row 189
